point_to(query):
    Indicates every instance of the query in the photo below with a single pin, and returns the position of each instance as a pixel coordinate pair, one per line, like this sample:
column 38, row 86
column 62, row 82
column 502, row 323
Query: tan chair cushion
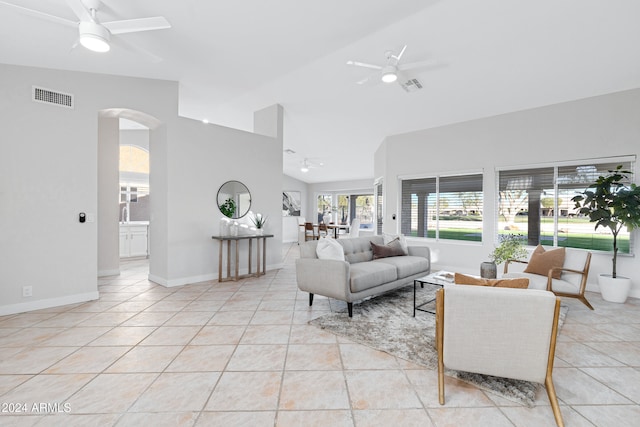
column 542, row 261
column 463, row 279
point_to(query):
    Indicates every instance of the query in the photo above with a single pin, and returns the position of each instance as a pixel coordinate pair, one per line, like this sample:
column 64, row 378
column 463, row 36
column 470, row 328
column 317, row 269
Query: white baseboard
column 47, row 303
column 201, row 278
column 108, row 273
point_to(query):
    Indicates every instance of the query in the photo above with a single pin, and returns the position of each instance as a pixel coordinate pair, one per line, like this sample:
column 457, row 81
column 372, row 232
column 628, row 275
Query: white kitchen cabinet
column 134, row 238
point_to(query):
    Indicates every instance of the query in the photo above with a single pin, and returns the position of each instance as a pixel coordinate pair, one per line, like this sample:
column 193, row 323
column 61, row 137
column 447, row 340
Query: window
column 362, row 208
column 134, row 203
column 324, row 208
column 536, row 203
column 379, row 207
column 343, row 209
column 443, row 207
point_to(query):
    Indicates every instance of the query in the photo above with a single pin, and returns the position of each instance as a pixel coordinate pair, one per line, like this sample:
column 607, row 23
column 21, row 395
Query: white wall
column 207, row 157
column 108, row 197
column 602, row 126
column 49, row 173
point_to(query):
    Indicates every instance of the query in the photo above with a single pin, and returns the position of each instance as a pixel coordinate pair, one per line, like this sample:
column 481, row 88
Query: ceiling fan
column 392, row 70
column 93, row 34
column 308, row 164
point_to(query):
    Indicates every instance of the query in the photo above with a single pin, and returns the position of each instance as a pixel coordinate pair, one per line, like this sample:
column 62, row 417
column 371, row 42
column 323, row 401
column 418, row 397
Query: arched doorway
column 109, row 188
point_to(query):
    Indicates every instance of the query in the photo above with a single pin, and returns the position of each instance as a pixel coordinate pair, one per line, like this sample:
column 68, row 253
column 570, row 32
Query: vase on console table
column 224, row 226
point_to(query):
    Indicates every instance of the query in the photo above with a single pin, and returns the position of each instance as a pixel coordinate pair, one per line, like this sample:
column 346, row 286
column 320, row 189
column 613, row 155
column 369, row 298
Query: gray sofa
column 359, row 276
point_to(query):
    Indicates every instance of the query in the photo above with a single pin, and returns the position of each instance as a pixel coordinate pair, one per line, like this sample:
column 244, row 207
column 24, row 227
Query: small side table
column 235, row 239
column 438, row 278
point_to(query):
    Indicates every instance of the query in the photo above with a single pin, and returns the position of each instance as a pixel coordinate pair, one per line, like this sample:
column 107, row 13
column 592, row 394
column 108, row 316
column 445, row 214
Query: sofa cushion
column 393, row 248
column 520, row 282
column 542, row 261
column 329, row 249
column 406, row 265
column 366, row 275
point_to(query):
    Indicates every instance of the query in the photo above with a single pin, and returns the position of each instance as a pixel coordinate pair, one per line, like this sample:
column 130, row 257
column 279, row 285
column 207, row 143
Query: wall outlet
column 27, row 291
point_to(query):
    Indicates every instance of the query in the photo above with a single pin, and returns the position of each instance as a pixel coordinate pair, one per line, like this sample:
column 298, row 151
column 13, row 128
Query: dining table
column 334, row 227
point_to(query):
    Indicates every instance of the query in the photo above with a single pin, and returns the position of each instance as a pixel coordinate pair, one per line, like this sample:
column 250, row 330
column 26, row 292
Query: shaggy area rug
column 386, row 323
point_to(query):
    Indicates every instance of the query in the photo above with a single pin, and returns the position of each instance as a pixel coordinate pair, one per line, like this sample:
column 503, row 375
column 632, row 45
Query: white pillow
column 329, row 249
column 386, row 238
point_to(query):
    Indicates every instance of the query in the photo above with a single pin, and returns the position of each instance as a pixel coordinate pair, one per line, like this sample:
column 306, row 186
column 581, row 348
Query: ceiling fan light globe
column 94, row 37
column 389, row 74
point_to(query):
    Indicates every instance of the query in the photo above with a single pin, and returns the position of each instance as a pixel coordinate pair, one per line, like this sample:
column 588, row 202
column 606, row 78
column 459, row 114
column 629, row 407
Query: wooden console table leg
column 237, row 266
column 264, row 255
column 258, row 257
column 228, row 259
column 250, row 244
column 220, row 261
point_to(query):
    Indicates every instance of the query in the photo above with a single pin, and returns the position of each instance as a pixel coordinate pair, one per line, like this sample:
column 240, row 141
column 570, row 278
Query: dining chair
column 323, row 230
column 309, row 231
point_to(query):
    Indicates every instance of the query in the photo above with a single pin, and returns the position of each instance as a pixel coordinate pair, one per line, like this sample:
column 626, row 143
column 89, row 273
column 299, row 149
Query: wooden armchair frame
column 583, row 282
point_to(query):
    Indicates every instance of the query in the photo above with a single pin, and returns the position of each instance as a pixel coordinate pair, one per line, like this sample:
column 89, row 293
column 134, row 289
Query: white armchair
column 503, row 332
column 573, row 276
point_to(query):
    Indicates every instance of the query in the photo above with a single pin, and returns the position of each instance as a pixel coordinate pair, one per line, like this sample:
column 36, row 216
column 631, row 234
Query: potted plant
column 259, row 221
column 612, row 201
column 228, row 208
column 511, row 247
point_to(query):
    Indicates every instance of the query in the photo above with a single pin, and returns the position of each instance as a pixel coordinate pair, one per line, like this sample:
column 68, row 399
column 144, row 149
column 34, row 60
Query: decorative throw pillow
column 329, row 249
column 386, row 238
column 463, row 279
column 393, row 248
column 542, row 261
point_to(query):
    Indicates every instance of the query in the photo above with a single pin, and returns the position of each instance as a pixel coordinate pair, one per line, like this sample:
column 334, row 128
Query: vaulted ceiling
column 232, row 58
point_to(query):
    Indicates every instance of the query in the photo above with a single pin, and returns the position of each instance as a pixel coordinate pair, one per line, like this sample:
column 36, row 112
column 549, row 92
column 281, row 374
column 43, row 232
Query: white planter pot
column 614, row 290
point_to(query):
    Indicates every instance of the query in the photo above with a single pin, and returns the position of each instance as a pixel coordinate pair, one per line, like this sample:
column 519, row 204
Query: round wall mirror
column 234, row 199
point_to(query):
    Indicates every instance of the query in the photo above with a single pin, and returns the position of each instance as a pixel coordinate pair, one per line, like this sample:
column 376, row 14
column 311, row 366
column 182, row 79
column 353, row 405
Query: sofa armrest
column 422, row 251
column 326, row 277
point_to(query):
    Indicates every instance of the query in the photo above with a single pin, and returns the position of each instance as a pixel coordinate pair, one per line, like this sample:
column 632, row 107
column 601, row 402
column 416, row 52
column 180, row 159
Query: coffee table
column 437, row 278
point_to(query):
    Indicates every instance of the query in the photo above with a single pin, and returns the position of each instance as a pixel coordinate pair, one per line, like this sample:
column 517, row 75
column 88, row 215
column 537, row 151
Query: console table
column 235, row 239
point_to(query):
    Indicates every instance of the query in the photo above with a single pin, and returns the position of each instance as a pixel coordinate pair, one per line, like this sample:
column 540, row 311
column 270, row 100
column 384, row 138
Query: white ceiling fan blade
column 135, row 25
column 117, row 41
column 419, row 64
column 363, row 81
column 401, row 53
column 365, row 65
column 370, row 80
column 80, row 10
column 40, row 15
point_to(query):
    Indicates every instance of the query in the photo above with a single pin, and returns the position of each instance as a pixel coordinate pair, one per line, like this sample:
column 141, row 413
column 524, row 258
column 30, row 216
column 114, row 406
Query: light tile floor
column 236, row 354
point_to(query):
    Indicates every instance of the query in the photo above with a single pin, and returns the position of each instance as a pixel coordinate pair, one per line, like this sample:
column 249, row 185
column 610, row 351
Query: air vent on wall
column 48, row 96
column 411, row 85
